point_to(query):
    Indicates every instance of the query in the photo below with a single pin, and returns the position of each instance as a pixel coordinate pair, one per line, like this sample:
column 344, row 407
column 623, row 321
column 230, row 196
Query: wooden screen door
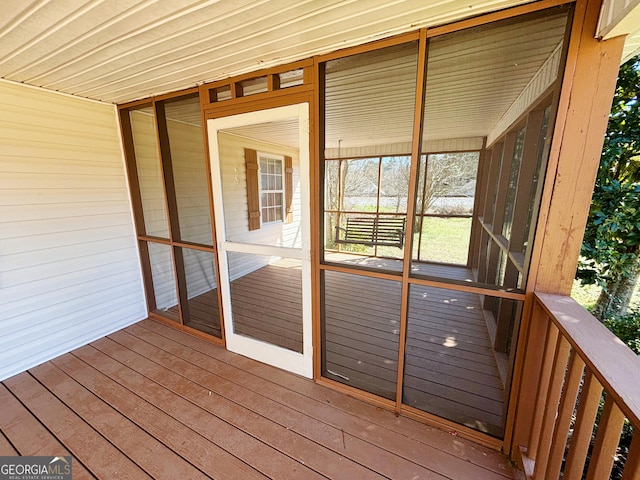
column 260, row 177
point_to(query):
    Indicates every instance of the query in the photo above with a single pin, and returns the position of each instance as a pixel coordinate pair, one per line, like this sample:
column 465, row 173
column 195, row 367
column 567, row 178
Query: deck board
column 28, row 436
column 149, row 452
column 238, row 408
column 303, row 396
column 89, row 447
column 190, row 431
column 451, row 366
column 153, row 402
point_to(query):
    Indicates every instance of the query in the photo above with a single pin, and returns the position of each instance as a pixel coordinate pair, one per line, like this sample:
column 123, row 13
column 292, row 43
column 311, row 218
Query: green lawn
column 444, row 240
column 587, row 295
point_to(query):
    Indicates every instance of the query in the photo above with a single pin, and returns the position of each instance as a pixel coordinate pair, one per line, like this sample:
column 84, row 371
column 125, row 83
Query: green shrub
column 627, row 329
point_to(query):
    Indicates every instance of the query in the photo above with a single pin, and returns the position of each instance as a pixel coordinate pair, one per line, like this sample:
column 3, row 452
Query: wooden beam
column 172, row 209
column 585, row 102
column 418, row 117
column 494, row 17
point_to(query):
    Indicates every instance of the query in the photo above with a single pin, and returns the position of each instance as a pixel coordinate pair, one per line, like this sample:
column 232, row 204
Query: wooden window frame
column 173, row 241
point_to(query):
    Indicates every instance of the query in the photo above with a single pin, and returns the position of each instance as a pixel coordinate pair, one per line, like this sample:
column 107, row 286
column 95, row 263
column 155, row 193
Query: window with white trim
column 271, row 171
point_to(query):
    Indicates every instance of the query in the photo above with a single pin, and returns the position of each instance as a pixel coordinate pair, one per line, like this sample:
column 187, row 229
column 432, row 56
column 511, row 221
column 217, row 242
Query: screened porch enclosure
column 260, row 182
column 428, row 322
column 428, row 182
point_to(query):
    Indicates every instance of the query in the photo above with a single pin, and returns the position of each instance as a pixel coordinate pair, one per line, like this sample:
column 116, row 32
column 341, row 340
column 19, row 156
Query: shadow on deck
column 450, row 367
column 153, row 402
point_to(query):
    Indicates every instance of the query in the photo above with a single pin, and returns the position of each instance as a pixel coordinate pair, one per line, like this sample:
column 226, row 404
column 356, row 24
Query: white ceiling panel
column 122, row 50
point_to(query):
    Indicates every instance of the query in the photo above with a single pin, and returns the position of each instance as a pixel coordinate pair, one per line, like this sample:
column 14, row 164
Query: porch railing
column 580, row 362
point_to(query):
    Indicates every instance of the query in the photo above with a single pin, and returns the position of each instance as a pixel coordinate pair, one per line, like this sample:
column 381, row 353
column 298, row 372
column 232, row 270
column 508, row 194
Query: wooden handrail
column 581, row 360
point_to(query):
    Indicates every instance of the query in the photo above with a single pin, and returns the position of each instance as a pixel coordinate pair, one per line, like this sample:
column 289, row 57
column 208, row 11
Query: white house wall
column 192, row 195
column 235, row 203
column 69, row 268
column 149, row 174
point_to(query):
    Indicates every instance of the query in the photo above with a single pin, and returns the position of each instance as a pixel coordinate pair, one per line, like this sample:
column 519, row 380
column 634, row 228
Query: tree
column 611, row 246
column 448, row 174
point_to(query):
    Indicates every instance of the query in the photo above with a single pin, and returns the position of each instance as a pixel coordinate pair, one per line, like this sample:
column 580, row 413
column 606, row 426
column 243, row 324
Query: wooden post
column 585, row 101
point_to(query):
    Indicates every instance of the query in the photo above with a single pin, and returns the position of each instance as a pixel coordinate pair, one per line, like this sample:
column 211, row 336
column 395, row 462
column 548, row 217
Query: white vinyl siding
column 191, row 181
column 235, row 203
column 149, row 174
column 69, row 268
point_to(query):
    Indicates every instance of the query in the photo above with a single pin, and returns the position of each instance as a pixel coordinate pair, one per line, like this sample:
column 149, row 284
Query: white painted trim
column 301, row 364
column 618, row 17
column 56, row 92
column 257, row 249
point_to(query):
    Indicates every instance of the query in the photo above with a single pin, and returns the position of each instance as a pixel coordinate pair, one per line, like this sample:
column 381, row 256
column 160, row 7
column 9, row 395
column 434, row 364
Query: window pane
column 369, row 103
column 202, row 292
column 394, row 184
column 154, row 207
column 184, row 128
column 513, row 184
column 360, row 185
column 446, row 195
column 331, row 184
column 164, row 283
column 291, row 78
column 361, row 318
column 480, row 83
column 266, row 298
column 241, row 193
column 451, row 369
column 253, row 86
column 441, row 240
column 536, row 188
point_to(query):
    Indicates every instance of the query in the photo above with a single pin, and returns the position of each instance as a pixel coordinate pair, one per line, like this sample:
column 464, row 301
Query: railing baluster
column 607, row 438
column 565, row 413
column 583, row 428
column 570, row 342
column 559, row 367
column 632, row 467
column 543, row 389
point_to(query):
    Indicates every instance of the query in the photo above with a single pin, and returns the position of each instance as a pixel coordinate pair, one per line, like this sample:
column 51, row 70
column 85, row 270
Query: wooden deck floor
column 451, row 370
column 153, row 402
column 266, row 303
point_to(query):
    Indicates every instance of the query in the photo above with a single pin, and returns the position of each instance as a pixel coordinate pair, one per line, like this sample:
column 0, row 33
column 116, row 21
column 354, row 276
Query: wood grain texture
column 149, row 389
column 450, row 368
